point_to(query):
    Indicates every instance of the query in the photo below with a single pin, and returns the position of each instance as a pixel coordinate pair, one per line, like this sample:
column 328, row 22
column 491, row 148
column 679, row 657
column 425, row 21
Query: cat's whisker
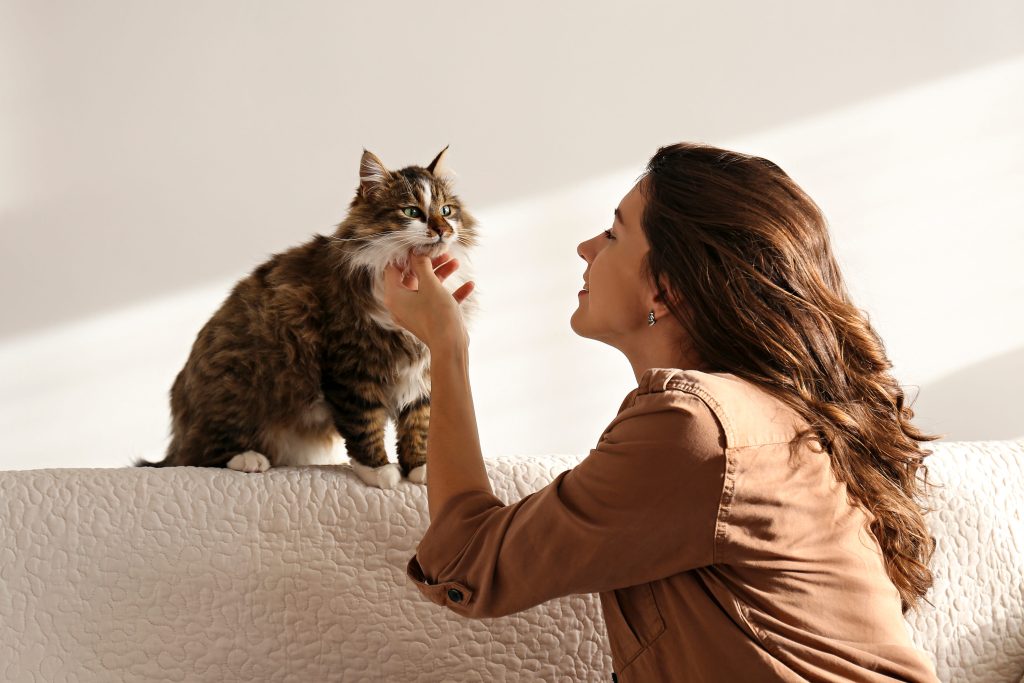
column 399, row 243
column 408, row 243
column 381, row 241
column 349, row 239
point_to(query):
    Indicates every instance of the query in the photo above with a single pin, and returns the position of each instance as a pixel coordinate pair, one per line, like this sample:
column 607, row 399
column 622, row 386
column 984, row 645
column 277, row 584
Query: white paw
column 383, row 477
column 418, row 475
column 250, row 461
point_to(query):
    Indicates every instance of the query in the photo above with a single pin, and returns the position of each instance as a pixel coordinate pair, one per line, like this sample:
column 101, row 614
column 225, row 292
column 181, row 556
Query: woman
column 749, row 514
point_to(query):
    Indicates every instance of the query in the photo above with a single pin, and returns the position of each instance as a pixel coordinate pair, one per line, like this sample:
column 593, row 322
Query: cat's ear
column 372, row 174
column 438, row 168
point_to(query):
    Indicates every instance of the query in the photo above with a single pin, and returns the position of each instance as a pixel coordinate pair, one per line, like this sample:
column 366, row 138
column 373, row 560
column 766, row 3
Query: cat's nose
column 439, row 229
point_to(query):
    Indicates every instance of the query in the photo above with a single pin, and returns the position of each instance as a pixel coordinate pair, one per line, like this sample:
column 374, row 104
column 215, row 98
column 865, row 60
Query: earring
column 650, row 318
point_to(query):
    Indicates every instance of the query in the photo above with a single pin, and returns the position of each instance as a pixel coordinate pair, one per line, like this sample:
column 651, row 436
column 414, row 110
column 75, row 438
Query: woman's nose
column 583, row 249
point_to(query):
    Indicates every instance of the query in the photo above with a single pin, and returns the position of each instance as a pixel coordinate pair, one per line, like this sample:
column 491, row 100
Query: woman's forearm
column 454, row 461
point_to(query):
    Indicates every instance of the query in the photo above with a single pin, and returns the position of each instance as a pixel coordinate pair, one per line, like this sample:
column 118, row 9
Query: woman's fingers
column 410, row 281
column 419, row 264
column 462, row 292
column 446, row 269
column 443, row 266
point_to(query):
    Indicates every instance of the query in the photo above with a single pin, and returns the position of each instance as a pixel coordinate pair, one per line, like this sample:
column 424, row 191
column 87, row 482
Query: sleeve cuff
column 443, row 541
column 452, row 594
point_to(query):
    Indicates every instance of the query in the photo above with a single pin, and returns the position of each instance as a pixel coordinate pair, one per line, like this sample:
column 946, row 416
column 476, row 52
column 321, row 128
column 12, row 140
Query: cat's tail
column 166, row 462
column 139, row 462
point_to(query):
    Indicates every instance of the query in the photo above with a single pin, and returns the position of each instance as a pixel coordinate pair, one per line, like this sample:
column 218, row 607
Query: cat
column 302, row 350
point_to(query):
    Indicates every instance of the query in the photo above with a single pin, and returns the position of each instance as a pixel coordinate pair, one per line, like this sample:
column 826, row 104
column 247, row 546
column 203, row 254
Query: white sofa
column 190, row 574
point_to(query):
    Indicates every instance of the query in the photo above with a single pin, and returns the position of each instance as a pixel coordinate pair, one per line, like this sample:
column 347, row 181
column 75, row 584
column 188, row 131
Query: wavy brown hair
column 744, row 262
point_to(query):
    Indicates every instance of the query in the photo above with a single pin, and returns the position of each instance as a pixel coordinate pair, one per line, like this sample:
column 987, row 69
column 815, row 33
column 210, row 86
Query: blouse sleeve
column 643, row 505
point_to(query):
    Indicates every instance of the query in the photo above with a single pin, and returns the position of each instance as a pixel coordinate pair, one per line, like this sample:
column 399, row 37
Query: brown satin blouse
column 715, row 557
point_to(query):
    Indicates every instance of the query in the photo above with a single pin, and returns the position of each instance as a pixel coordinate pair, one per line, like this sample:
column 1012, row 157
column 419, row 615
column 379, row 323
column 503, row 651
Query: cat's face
column 413, row 209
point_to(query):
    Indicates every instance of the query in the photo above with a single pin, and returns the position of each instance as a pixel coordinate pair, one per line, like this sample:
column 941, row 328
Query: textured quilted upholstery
column 299, row 575
column 975, row 632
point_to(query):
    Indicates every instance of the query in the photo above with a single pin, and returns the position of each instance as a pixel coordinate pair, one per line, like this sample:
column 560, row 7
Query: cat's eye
column 412, row 212
column 446, row 210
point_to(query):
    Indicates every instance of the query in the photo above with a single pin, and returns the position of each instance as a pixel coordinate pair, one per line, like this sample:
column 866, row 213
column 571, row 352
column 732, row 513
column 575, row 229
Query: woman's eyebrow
column 619, row 217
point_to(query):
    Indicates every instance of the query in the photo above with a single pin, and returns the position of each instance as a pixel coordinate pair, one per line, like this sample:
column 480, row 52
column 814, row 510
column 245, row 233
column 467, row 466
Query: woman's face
column 616, row 305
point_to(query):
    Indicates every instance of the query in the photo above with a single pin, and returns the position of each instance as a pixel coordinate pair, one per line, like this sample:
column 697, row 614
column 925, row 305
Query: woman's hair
column 742, row 259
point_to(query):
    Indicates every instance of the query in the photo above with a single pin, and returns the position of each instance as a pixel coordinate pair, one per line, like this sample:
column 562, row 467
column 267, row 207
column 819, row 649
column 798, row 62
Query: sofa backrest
column 298, row 574
column 975, row 630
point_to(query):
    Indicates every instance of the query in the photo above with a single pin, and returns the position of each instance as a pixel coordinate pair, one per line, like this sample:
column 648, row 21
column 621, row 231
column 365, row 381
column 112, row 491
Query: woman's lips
column 582, row 292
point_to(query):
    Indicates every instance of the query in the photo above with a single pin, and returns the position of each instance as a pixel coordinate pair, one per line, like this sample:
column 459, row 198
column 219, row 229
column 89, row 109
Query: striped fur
column 303, row 352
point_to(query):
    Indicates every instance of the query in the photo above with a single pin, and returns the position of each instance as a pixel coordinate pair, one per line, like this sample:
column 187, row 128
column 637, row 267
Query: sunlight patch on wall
column 922, row 189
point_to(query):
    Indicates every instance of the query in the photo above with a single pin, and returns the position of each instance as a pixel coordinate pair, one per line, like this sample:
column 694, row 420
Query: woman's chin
column 575, row 325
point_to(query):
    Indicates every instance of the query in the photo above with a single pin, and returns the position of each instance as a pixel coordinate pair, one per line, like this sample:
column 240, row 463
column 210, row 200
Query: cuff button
column 455, row 595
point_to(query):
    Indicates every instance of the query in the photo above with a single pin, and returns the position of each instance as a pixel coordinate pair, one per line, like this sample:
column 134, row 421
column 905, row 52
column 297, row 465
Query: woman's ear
column 658, row 303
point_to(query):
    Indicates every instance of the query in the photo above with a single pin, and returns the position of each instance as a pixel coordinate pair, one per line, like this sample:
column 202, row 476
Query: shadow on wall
column 977, row 402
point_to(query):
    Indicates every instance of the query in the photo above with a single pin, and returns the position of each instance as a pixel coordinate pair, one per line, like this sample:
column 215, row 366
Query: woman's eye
column 446, row 210
column 608, row 234
column 411, row 212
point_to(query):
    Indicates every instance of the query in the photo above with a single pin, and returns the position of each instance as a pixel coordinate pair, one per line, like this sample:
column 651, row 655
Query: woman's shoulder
column 747, row 414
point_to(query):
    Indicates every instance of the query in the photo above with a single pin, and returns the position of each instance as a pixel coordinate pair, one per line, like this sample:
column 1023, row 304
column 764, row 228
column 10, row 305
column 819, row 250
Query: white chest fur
column 410, row 384
column 409, row 381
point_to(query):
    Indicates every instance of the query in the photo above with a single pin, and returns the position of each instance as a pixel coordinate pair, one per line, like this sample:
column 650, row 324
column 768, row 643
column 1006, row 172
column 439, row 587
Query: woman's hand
column 418, row 302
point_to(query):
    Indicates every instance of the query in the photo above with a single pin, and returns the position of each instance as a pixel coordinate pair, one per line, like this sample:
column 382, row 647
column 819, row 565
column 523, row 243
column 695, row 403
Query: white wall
column 152, row 154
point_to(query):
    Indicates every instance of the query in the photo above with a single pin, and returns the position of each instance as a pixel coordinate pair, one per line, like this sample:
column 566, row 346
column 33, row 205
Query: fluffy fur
column 302, row 351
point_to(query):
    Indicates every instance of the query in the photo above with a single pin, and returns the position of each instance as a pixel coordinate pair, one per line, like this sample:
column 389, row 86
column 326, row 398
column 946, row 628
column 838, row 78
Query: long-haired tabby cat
column 302, row 349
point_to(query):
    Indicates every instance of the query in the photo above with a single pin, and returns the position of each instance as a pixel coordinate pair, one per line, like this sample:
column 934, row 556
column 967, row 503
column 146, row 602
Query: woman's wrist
column 454, row 346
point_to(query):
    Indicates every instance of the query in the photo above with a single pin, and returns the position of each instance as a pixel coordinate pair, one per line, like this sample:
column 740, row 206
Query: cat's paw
column 383, row 477
column 418, row 475
column 250, row 461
